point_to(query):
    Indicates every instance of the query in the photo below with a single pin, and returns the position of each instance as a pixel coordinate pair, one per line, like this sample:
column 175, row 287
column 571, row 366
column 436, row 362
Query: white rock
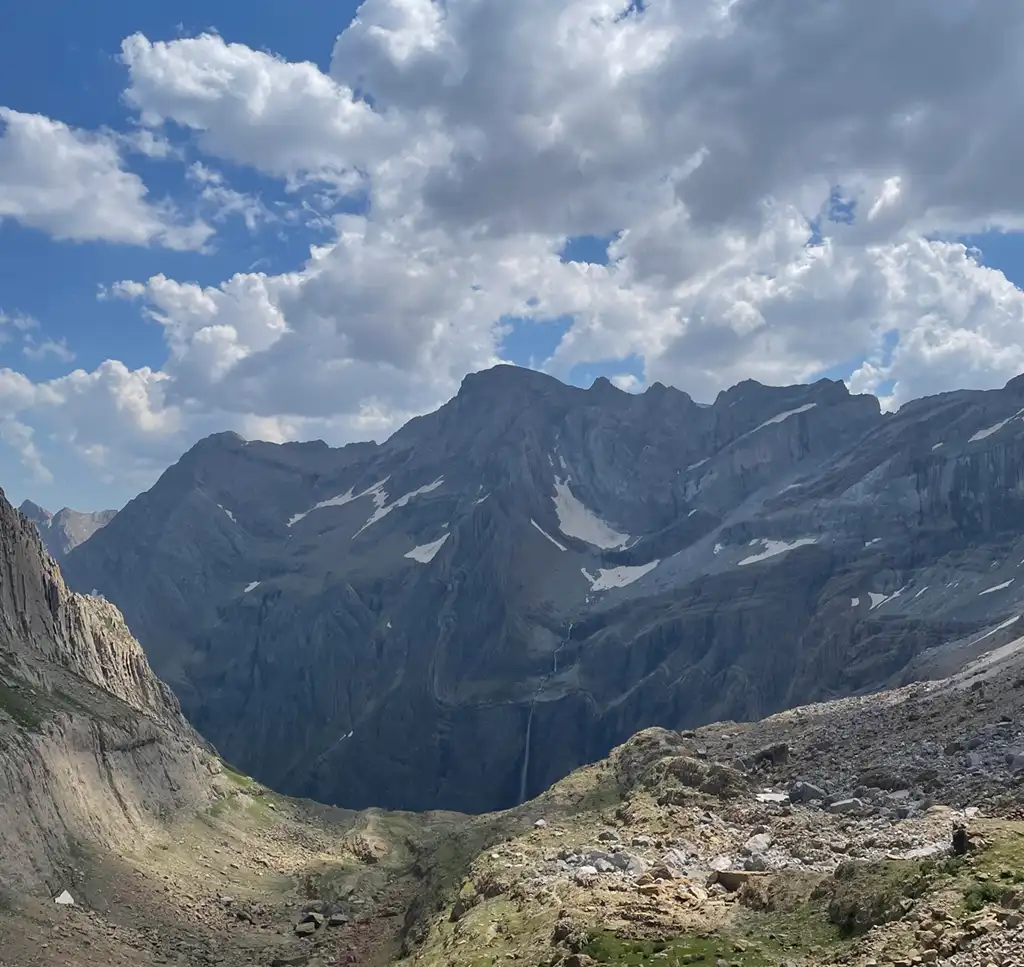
column 65, row 899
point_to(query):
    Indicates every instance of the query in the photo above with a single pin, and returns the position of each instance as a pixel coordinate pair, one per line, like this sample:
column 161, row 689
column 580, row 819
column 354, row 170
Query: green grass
column 240, row 779
column 979, row 895
column 23, row 705
column 607, row 948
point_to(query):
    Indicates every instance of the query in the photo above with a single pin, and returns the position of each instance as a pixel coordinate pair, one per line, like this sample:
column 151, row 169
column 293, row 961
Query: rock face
column 516, row 583
column 65, row 530
column 93, row 748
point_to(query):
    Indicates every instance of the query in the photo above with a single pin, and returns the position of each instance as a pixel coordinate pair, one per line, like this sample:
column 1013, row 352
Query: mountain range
column 65, row 530
column 514, row 584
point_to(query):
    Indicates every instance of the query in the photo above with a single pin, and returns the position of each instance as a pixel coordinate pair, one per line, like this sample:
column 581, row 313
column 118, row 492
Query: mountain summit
column 65, row 530
column 512, row 585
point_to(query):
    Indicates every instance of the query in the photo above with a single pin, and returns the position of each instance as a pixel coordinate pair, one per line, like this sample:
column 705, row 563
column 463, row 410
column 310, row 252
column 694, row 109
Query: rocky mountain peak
column 34, row 512
column 1016, row 385
column 505, row 379
column 65, row 530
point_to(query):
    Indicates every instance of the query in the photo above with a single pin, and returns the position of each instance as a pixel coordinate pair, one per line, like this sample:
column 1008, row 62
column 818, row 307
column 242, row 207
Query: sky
column 311, row 220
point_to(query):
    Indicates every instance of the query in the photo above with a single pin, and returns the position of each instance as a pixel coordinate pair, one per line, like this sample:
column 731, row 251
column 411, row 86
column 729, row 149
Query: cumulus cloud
column 71, row 184
column 785, row 183
column 254, row 108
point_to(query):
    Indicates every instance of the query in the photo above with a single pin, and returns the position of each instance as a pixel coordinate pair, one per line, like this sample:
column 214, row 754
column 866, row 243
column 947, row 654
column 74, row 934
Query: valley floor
column 821, row 836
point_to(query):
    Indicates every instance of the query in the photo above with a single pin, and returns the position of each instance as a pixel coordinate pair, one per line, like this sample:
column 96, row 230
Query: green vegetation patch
column 238, row 778
column 867, row 894
column 607, row 948
column 24, row 705
column 995, row 874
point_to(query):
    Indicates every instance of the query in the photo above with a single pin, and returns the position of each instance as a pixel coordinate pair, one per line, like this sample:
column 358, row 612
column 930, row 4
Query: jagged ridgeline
column 93, row 748
column 514, row 584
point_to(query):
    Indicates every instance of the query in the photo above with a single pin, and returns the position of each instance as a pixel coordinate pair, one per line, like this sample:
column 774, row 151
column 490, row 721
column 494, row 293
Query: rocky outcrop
column 513, row 585
column 94, row 751
column 65, row 530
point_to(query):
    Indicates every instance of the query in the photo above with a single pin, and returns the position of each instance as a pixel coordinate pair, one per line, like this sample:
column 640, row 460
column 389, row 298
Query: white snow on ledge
column 380, row 498
column 425, row 553
column 228, row 512
column 576, row 520
column 998, row 587
column 988, row 431
column 785, row 416
column 251, row 586
column 339, row 501
column 773, row 548
column 617, row 577
column 877, row 600
column 561, row 547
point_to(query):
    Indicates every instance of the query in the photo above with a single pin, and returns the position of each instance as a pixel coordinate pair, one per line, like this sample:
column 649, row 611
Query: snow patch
column 988, row 431
column 251, row 586
column 997, row 628
column 576, row 520
column 919, row 593
column 785, row 416
column 64, row 899
column 699, row 463
column 998, row 587
column 617, row 577
column 768, row 796
column 561, row 547
column 718, row 548
column 935, row 446
column 339, row 501
column 380, row 498
column 692, row 512
column 877, row 600
column 228, row 512
column 774, row 548
column 425, row 552
column 854, row 602
column 874, row 540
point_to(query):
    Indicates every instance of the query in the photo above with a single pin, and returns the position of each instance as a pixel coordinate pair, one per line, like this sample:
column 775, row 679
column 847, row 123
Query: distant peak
column 658, row 390
column 1016, row 385
column 33, row 511
column 225, row 440
column 508, row 378
column 823, row 391
column 605, row 387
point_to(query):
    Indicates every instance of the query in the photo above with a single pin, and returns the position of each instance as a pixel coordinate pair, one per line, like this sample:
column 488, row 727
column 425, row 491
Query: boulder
column 846, row 806
column 802, row 791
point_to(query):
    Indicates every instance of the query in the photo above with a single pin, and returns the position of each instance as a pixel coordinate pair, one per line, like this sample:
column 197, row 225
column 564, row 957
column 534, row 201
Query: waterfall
column 526, row 754
column 529, row 720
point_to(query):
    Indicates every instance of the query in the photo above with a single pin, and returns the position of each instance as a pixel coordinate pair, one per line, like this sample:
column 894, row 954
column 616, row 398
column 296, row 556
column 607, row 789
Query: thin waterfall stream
column 525, row 771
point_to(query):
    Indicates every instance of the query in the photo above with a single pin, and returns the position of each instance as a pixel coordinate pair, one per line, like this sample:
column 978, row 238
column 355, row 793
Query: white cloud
column 19, row 438
column 72, row 185
column 56, row 348
column 254, row 108
column 18, row 325
column 709, row 138
column 14, row 324
column 224, row 201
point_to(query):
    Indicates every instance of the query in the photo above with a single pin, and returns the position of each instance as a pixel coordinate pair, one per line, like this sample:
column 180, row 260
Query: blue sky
column 60, row 59
column 451, row 229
